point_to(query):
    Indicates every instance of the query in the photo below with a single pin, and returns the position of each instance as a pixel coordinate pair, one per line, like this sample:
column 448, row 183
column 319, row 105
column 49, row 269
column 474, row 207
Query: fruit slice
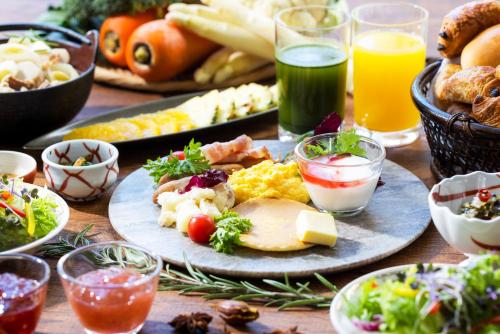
column 274, row 224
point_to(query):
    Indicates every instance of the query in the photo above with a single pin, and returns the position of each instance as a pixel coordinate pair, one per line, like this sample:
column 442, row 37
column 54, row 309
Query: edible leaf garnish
column 346, row 142
column 193, row 164
column 329, row 124
column 229, row 227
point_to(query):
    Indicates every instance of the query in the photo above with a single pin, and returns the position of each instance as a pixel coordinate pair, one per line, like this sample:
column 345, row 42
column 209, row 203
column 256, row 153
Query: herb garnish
column 346, row 142
column 193, row 164
column 282, row 294
column 229, row 227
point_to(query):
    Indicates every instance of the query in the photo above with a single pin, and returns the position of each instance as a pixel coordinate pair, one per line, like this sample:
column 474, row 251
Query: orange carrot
column 116, row 31
column 159, row 50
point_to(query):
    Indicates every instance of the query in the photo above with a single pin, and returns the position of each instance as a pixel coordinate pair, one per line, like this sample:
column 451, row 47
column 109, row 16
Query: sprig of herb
column 66, row 244
column 273, row 293
column 229, row 228
column 346, row 142
column 193, row 164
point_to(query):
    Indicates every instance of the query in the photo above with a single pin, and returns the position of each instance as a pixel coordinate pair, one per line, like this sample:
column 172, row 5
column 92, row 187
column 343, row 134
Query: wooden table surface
column 58, row 317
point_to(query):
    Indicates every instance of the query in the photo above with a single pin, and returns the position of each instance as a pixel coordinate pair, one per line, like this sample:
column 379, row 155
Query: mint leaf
column 348, row 142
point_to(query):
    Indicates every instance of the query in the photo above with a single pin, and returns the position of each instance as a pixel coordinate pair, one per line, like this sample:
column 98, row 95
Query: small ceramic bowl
column 83, row 183
column 18, row 164
column 468, row 235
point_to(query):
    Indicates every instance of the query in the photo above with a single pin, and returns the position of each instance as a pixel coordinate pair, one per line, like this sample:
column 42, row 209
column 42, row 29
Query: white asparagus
column 238, row 63
column 199, row 10
column 216, row 61
column 224, row 33
column 246, row 18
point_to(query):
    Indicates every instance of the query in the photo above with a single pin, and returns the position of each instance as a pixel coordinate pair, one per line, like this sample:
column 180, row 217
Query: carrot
column 116, row 31
column 159, row 50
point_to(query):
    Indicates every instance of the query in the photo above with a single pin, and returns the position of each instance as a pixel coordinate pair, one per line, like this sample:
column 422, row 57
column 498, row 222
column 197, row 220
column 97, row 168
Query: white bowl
column 62, row 215
column 338, row 309
column 19, row 164
column 82, row 183
column 468, row 235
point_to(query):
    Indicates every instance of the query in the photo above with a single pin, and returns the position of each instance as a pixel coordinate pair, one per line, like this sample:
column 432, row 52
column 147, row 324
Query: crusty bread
column 483, row 50
column 463, row 23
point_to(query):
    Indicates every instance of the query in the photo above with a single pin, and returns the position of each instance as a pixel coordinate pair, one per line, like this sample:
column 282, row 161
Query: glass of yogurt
column 340, row 184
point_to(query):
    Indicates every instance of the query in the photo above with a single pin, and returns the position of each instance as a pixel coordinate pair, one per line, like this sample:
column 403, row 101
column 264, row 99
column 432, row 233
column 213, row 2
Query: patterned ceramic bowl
column 18, row 164
column 468, row 235
column 82, row 183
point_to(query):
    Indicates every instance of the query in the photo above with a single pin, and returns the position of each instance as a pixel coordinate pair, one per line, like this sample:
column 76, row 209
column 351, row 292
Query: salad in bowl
column 420, row 299
column 29, row 215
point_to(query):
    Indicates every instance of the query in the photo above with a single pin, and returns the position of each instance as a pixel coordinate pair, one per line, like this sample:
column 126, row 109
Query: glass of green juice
column 312, row 48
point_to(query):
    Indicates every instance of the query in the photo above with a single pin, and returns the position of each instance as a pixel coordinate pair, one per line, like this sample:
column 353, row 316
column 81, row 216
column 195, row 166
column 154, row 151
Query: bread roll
column 484, row 50
column 463, row 23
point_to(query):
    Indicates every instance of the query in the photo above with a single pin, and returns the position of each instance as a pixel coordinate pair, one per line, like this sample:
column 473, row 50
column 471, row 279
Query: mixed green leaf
column 194, row 163
column 229, row 228
column 346, row 142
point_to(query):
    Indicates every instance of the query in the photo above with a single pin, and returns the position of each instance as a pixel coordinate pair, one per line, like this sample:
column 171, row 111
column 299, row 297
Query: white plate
column 62, row 214
column 338, row 309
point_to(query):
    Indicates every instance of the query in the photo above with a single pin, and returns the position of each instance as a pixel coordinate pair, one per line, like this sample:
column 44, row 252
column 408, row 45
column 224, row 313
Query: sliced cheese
column 316, row 228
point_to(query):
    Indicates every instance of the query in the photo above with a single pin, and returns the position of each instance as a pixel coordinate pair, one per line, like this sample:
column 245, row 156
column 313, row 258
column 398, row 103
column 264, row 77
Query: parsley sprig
column 193, row 164
column 229, row 228
column 346, row 142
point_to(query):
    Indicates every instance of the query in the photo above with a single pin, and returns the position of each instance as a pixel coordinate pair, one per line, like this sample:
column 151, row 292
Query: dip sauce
column 21, row 302
column 109, row 300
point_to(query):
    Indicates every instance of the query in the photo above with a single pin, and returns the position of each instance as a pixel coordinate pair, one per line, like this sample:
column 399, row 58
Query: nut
column 235, row 312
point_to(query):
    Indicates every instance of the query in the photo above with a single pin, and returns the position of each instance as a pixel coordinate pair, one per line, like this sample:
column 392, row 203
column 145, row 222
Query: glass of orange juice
column 389, row 44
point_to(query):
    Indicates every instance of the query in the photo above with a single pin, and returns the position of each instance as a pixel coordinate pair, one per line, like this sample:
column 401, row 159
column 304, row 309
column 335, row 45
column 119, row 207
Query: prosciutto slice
column 248, row 156
column 217, row 151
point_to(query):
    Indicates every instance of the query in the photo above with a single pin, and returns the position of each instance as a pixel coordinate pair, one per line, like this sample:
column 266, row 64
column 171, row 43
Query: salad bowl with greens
column 29, row 216
column 422, row 299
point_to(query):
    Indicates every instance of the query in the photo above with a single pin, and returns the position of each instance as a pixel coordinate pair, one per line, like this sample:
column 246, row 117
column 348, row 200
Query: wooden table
column 58, row 317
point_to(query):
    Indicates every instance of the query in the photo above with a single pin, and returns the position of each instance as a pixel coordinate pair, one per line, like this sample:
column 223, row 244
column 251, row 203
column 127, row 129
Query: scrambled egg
column 270, row 180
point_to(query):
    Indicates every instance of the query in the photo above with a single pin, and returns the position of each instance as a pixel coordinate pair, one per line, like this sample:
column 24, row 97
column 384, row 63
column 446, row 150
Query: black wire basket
column 459, row 144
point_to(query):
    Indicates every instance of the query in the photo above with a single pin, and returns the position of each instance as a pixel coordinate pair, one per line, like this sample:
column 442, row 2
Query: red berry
column 484, row 195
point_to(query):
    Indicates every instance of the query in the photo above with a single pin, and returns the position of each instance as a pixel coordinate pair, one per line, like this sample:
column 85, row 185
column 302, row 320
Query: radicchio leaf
column 209, row 179
column 330, row 123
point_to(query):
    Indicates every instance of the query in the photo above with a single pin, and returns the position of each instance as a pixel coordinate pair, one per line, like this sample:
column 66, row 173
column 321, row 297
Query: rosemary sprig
column 283, row 295
column 66, row 244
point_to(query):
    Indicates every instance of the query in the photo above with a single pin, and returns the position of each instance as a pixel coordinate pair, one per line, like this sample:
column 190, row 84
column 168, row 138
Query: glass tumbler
column 389, row 46
column 110, row 286
column 23, row 288
column 312, row 48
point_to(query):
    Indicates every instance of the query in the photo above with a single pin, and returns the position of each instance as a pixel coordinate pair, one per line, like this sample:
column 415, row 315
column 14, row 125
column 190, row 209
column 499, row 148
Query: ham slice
column 217, row 151
column 245, row 157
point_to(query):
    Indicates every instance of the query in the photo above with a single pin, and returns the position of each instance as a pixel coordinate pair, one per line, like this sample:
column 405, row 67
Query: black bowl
column 459, row 144
column 27, row 114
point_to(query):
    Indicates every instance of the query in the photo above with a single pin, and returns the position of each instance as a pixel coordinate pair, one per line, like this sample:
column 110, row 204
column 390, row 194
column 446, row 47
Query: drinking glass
column 389, row 45
column 312, row 45
column 22, row 296
column 110, row 286
column 337, row 186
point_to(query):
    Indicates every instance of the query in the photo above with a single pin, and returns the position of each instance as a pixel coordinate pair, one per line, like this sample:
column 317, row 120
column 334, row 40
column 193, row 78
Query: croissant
column 487, row 110
column 463, row 23
column 463, row 86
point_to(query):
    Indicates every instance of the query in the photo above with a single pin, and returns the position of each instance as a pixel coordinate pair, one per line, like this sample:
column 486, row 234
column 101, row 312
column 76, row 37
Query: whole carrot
column 116, row 31
column 159, row 50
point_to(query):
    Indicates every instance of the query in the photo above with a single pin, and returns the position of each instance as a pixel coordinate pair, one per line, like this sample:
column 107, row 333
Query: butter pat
column 316, row 228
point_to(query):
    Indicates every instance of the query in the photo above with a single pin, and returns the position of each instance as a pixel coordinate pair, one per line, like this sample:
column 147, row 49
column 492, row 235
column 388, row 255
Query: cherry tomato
column 5, row 195
column 179, row 155
column 435, row 308
column 200, row 228
column 484, row 195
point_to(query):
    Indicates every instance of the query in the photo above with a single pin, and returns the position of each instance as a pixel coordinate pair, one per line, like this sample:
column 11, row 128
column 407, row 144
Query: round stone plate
column 396, row 216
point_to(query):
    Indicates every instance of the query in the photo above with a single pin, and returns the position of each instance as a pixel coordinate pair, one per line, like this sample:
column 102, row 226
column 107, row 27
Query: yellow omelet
column 271, row 180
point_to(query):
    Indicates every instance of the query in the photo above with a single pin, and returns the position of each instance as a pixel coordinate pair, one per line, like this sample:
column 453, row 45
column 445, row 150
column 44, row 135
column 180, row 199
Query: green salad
column 24, row 215
column 429, row 299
